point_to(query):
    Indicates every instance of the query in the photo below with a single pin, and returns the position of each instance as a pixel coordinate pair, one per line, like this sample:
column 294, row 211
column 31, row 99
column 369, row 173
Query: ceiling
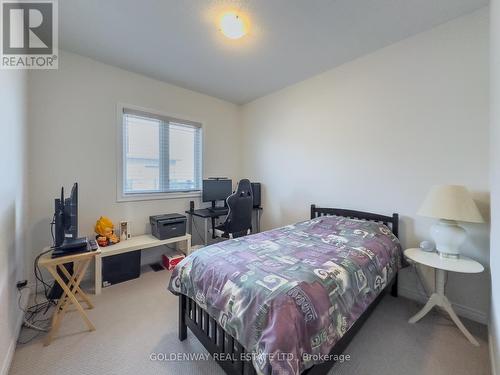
column 177, row 41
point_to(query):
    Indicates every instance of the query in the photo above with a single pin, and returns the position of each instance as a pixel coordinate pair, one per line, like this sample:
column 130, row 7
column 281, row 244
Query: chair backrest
column 240, row 203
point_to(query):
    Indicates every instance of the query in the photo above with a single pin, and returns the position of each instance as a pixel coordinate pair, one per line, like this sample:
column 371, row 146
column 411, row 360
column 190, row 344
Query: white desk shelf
column 143, row 242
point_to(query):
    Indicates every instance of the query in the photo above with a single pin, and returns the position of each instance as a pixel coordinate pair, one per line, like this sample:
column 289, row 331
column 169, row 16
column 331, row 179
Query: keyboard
column 218, row 210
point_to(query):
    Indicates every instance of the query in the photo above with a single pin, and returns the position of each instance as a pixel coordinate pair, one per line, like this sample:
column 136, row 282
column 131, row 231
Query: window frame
column 121, row 196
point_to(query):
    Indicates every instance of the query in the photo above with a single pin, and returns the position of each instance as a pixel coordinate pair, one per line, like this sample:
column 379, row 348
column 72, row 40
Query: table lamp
column 449, row 204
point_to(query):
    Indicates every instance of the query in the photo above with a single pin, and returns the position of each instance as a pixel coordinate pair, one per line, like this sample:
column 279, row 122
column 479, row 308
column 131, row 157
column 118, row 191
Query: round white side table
column 441, row 267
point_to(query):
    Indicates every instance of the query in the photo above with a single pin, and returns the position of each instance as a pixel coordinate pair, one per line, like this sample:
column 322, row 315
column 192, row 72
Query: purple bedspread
column 289, row 294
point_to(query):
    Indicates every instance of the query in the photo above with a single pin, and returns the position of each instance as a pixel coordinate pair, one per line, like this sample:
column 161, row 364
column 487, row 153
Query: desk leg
column 258, row 221
column 72, row 297
column 185, row 245
column 190, row 224
column 74, row 283
column 68, row 297
column 205, row 235
column 56, row 316
column 98, row 274
column 213, row 228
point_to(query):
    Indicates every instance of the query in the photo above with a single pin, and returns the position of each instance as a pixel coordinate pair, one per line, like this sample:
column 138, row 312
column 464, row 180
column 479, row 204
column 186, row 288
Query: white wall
column 376, row 133
column 495, row 186
column 373, row 134
column 13, row 205
column 73, row 137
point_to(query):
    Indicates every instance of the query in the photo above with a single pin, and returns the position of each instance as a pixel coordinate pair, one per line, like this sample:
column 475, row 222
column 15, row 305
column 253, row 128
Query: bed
column 288, row 300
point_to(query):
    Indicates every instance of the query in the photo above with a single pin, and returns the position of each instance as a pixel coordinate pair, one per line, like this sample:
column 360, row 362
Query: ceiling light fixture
column 232, row 25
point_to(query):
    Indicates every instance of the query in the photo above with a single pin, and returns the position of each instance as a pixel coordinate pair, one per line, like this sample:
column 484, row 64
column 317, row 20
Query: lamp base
column 448, row 236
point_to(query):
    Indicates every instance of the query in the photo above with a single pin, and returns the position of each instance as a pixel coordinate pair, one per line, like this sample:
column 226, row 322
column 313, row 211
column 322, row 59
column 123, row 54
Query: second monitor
column 216, row 190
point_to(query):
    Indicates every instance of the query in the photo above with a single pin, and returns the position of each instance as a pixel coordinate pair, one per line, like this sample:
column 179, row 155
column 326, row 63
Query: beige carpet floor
column 139, row 317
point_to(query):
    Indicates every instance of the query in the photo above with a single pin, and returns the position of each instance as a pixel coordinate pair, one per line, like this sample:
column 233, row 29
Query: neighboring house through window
column 161, row 156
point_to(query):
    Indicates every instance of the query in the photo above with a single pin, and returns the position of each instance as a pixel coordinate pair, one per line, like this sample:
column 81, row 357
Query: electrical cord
column 52, row 223
column 36, row 267
column 36, row 317
column 39, row 277
column 31, row 312
column 22, row 341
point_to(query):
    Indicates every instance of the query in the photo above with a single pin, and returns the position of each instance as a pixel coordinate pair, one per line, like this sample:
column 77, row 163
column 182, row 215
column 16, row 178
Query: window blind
column 160, row 154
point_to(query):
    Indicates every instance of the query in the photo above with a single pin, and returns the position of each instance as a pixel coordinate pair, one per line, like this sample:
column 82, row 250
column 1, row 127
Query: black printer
column 168, row 226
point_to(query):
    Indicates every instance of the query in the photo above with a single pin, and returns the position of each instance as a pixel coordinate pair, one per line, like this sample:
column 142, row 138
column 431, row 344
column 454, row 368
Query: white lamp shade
column 450, row 202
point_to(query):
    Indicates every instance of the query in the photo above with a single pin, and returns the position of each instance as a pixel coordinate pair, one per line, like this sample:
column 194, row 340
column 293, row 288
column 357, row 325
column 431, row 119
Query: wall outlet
column 21, row 284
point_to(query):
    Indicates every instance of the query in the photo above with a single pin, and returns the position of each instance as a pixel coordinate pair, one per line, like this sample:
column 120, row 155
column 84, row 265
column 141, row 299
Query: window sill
column 156, row 196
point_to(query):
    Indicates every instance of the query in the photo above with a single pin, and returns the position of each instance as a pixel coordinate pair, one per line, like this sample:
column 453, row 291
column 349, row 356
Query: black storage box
column 168, row 226
column 121, row 267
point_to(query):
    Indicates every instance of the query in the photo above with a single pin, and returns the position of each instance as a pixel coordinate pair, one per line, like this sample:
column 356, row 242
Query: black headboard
column 391, row 221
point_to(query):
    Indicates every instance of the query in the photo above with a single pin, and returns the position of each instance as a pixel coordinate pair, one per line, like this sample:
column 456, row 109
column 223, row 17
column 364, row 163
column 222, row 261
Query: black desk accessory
column 69, row 246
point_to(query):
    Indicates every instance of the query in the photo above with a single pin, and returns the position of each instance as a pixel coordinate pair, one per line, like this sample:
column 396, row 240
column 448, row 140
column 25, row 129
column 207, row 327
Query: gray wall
column 495, row 186
column 13, row 205
column 79, row 119
column 376, row 133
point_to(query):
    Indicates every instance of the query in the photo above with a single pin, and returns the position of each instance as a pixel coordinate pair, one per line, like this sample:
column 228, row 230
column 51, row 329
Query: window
column 160, row 155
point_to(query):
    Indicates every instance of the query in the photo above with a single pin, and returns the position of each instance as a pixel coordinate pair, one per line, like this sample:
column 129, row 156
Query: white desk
column 146, row 241
column 206, row 215
column 441, row 267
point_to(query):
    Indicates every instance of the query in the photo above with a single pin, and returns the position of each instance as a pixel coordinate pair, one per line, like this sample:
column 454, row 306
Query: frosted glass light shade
column 232, row 25
column 450, row 202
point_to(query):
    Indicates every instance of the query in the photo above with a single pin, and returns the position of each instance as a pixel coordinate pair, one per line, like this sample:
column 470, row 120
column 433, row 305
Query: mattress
column 288, row 295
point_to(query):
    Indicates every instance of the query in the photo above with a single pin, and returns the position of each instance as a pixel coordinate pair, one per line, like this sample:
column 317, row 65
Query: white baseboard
column 493, row 345
column 12, row 347
column 493, row 352
column 461, row 310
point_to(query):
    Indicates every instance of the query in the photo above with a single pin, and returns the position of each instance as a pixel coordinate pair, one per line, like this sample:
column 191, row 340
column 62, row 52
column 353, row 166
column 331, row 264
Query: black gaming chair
column 239, row 218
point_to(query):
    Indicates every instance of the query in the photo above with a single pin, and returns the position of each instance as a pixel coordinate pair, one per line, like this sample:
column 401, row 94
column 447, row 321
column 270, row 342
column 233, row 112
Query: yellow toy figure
column 105, row 232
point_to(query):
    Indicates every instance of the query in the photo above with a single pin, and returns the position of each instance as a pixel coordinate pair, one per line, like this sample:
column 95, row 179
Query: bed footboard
column 232, row 356
column 226, row 351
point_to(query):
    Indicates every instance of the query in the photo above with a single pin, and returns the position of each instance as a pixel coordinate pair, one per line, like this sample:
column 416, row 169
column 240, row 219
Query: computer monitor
column 216, row 190
column 66, row 232
column 66, row 217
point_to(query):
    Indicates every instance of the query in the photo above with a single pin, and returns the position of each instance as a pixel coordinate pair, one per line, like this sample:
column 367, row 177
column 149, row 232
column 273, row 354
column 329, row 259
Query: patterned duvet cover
column 289, row 294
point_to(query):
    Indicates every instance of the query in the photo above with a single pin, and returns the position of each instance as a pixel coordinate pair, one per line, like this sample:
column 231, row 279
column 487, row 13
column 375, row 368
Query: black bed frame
column 228, row 352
